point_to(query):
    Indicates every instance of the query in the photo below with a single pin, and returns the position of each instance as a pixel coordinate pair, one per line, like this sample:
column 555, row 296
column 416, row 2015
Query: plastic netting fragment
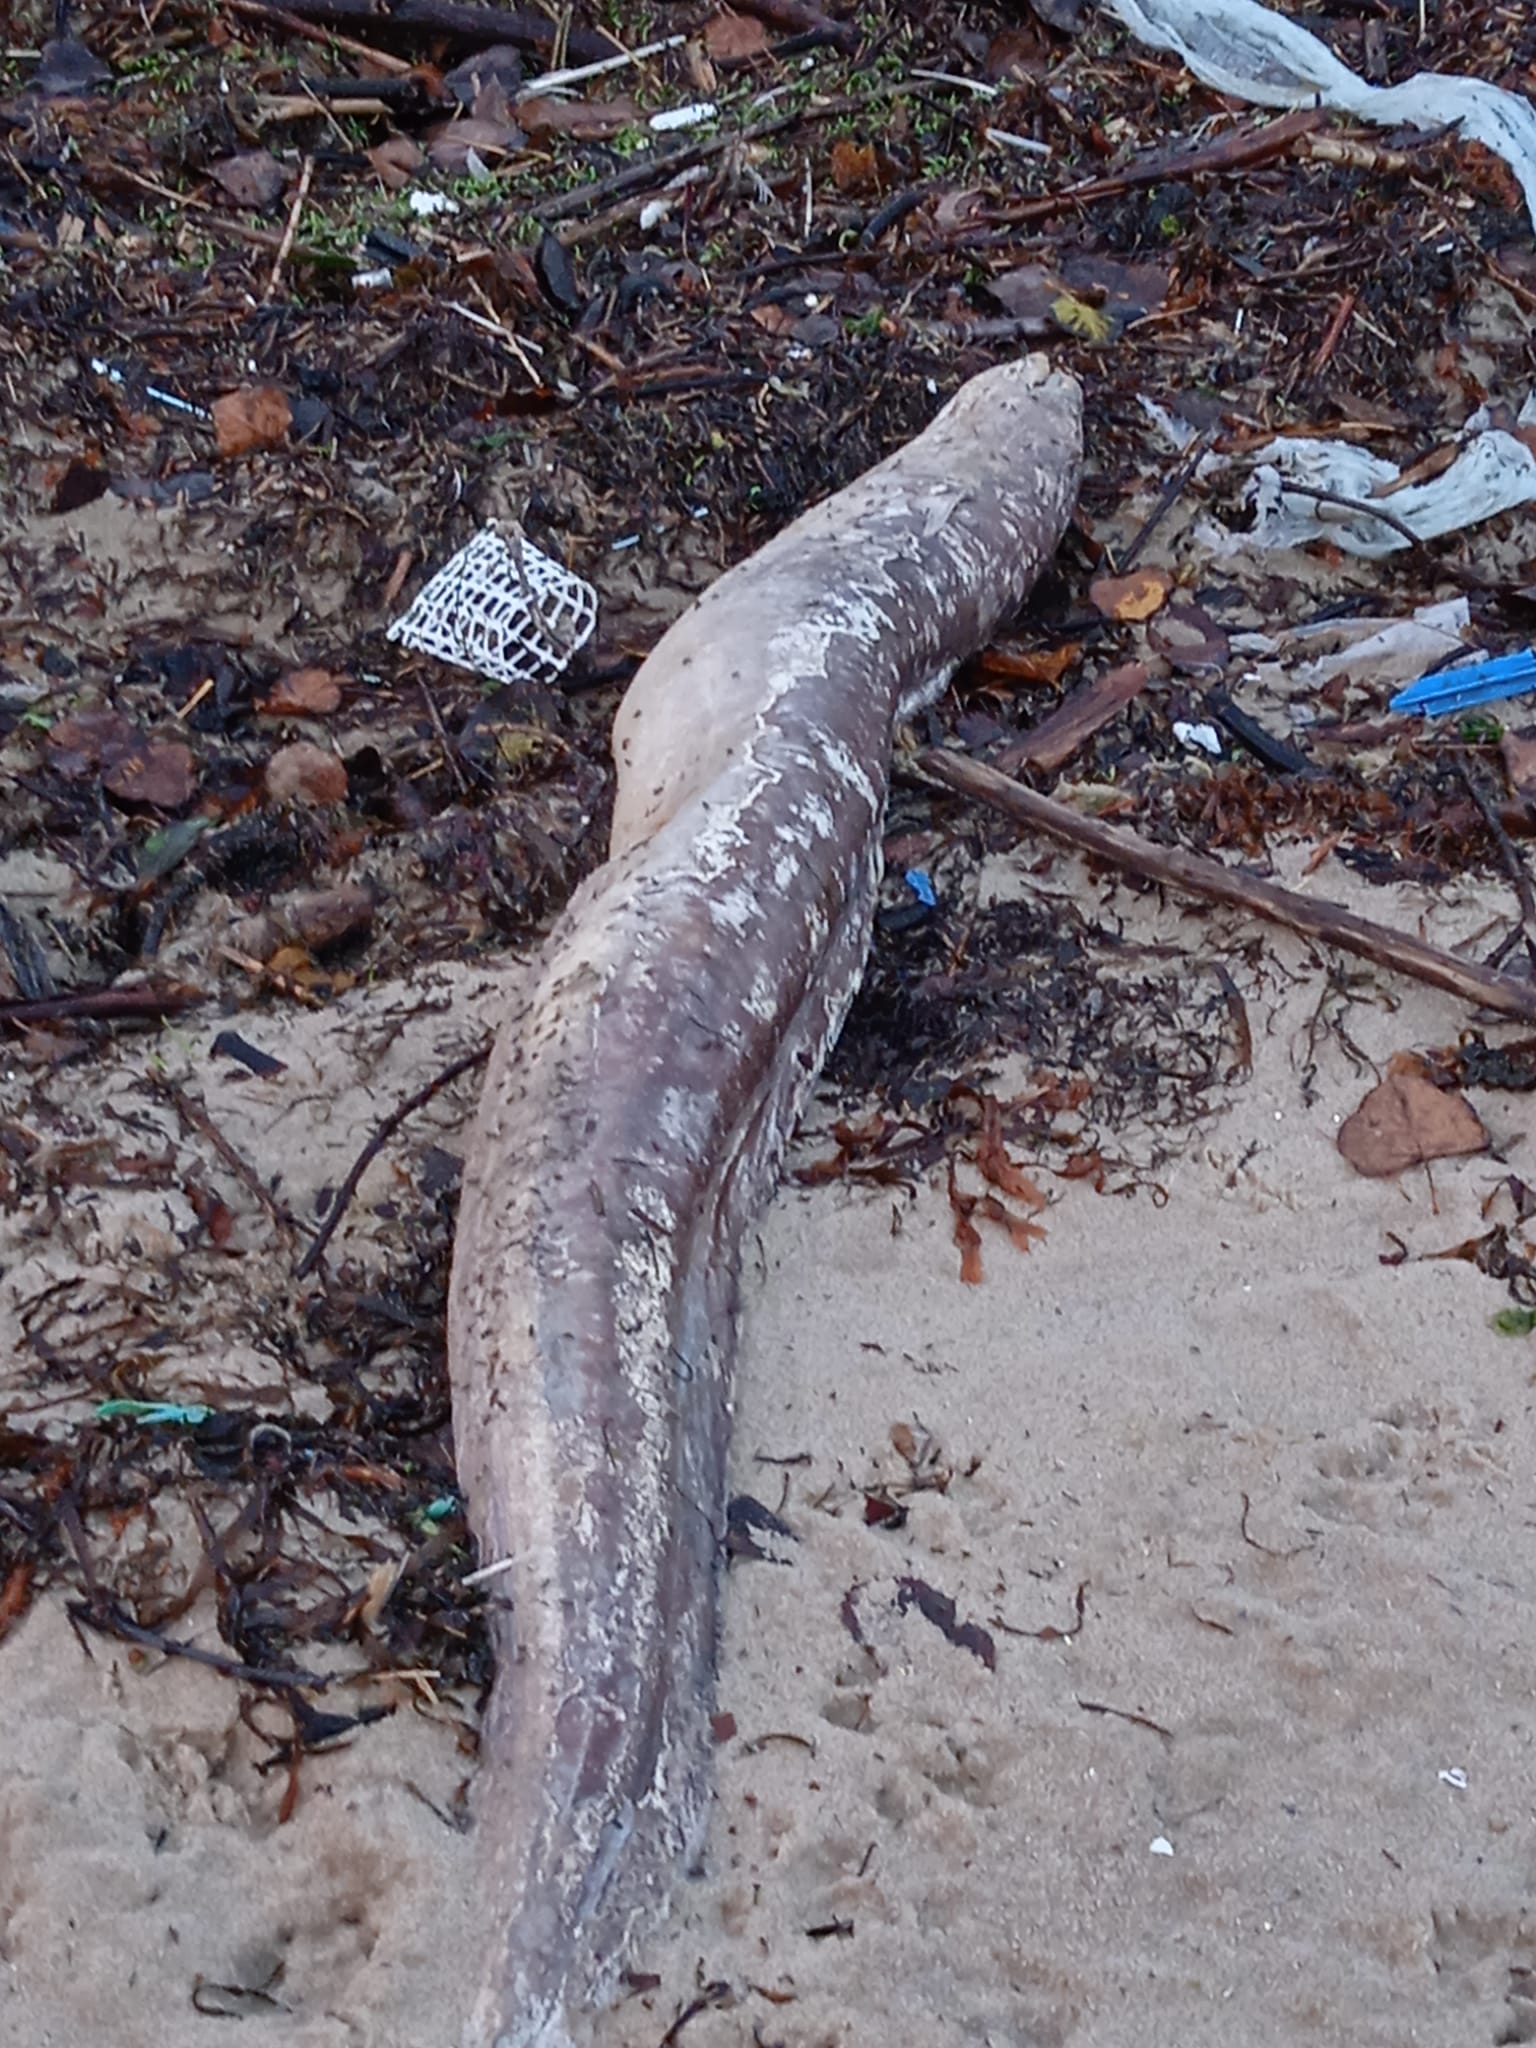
column 501, row 608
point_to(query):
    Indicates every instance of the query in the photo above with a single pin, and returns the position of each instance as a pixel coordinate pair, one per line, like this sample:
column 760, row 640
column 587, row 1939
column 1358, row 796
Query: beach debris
column 257, row 416
column 937, row 1608
column 1160, row 1846
column 1489, row 681
column 1455, row 1777
column 1200, row 738
column 501, row 608
column 1199, row 875
column 1249, row 51
column 754, row 1531
column 1407, row 1120
column 1305, row 490
column 920, row 882
column 154, row 1414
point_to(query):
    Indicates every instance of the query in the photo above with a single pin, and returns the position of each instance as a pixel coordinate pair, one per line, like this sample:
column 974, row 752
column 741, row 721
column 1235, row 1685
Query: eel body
column 633, row 1119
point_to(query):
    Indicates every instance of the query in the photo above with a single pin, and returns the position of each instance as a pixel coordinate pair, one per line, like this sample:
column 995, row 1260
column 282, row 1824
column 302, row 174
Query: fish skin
column 633, row 1120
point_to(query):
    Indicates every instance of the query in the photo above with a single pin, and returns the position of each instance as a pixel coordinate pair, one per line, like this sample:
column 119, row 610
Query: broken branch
column 1196, row 875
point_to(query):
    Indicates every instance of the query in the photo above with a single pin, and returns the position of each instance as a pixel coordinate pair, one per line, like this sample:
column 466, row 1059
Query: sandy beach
column 1225, row 1737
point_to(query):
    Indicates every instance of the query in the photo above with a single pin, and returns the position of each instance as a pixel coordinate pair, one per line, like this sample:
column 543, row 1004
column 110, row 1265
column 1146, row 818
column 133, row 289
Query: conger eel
column 633, row 1119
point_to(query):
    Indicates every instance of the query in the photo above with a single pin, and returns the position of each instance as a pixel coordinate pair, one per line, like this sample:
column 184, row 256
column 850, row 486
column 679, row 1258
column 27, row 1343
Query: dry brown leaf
column 733, row 38
column 1132, row 597
column 1519, row 752
column 396, row 160
column 305, row 774
column 254, row 178
column 257, row 417
column 1189, row 639
column 586, row 120
column 853, row 166
column 1407, row 1120
column 159, row 773
column 304, row 692
column 451, row 143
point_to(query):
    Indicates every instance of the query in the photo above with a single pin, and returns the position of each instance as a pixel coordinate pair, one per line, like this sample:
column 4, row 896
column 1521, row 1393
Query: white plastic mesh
column 501, row 608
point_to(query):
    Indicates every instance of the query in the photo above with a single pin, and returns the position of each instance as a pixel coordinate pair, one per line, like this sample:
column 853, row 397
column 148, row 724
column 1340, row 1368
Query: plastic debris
column 502, row 609
column 921, row 884
column 1160, row 1846
column 1238, row 47
column 426, row 204
column 1204, row 737
column 154, row 1414
column 694, row 115
column 1295, row 481
column 1474, row 682
column 1455, row 1777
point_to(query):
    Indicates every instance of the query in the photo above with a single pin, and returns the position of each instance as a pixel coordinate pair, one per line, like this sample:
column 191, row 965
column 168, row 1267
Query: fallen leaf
column 1132, row 597
column 396, row 160
column 1030, row 664
column 853, row 166
column 1027, row 293
column 305, row 774
column 80, row 744
column 451, row 144
column 584, row 120
column 1518, row 750
column 258, row 416
column 161, row 774
column 1075, row 316
column 68, row 68
column 1190, row 640
column 734, row 38
column 305, row 692
column 1406, row 1121
column 254, row 178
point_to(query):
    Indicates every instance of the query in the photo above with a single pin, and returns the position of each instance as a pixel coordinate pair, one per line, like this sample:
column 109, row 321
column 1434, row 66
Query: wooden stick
column 1195, row 875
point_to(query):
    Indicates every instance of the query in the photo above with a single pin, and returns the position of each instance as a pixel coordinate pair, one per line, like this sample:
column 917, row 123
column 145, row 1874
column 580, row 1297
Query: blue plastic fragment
column 440, row 1509
column 921, row 885
column 1472, row 683
column 187, row 1414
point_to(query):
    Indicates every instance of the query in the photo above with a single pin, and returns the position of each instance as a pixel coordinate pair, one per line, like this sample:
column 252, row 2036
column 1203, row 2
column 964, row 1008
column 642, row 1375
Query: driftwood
column 634, row 1117
column 1196, row 875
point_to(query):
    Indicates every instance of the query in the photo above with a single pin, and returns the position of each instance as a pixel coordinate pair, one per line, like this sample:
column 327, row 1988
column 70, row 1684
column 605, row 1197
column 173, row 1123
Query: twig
column 1321, row 497
column 1198, row 876
column 109, row 1003
column 328, row 38
column 550, row 81
column 195, row 1117
column 375, row 1146
column 656, row 170
column 291, row 226
column 108, row 1619
column 1509, row 853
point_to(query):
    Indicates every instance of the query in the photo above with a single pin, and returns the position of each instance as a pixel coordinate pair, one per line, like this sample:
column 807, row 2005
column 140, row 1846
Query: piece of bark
column 634, row 1117
column 1196, row 875
column 1072, row 724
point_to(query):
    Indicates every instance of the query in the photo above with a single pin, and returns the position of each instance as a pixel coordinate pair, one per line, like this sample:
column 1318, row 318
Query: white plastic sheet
column 1238, row 47
column 1493, row 473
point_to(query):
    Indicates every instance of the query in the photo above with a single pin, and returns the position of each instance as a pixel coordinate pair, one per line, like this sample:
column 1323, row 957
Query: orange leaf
column 1132, row 597
column 257, row 417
